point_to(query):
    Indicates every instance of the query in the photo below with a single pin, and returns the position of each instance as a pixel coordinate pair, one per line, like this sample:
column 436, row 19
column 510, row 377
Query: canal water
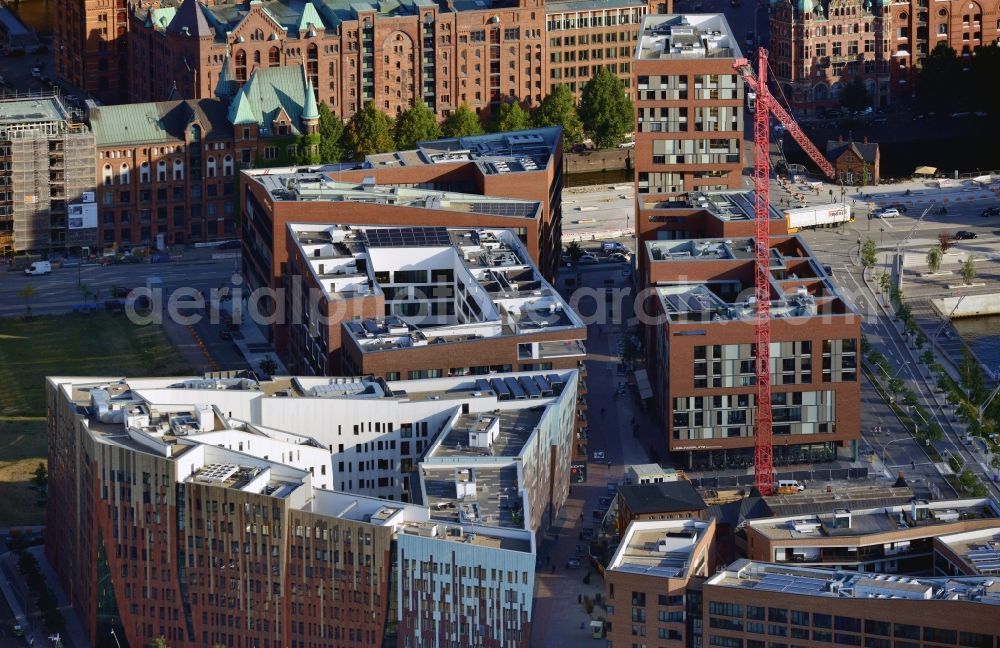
column 36, row 14
column 982, row 334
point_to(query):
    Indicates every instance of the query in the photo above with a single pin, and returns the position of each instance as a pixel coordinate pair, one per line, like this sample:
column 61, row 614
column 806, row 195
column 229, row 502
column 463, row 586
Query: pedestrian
column 609, row 465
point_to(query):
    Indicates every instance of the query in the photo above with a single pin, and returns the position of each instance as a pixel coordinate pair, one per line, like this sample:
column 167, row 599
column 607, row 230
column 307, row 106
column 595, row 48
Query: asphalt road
column 59, row 291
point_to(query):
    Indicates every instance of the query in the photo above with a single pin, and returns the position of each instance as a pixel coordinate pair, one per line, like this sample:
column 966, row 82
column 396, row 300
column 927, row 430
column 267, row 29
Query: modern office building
column 818, row 48
column 689, row 109
column 750, row 604
column 408, row 302
column 525, row 165
column 46, row 177
column 652, row 582
column 897, row 539
column 167, row 172
column 699, row 325
column 478, row 53
column 304, row 511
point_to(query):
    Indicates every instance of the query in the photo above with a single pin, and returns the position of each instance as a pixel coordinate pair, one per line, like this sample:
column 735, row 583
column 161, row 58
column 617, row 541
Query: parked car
column 588, row 259
column 888, row 212
column 598, row 456
column 572, row 563
column 991, row 211
column 965, row 235
column 627, row 145
column 36, row 72
column 900, row 207
column 579, row 148
column 618, row 257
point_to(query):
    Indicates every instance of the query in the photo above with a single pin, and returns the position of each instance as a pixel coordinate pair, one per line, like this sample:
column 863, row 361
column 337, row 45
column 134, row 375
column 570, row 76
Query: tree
column 944, row 241
column 934, row 431
column 934, row 259
column 331, row 135
column 417, row 124
column 159, row 642
column 559, row 109
column 969, row 270
column 574, row 251
column 462, row 123
column 940, row 79
column 896, row 385
column 971, row 376
column 268, row 366
column 370, row 131
column 869, row 254
column 884, row 282
column 26, row 294
column 855, row 95
column 510, row 117
column 605, row 109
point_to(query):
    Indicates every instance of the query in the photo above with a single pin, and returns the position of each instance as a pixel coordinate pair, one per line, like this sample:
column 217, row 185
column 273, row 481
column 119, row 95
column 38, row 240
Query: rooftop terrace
column 689, row 36
column 803, row 581
column 659, row 548
column 497, row 434
column 979, row 550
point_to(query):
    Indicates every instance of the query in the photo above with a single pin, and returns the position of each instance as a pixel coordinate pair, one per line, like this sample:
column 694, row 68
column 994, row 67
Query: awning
column 925, row 170
column 642, row 382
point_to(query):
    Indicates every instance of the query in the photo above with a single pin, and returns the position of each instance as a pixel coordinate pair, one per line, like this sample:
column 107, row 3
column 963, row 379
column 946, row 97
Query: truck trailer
column 819, row 216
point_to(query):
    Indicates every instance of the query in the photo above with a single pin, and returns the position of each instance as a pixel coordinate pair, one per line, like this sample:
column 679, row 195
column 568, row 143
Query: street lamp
column 886, row 445
column 117, row 643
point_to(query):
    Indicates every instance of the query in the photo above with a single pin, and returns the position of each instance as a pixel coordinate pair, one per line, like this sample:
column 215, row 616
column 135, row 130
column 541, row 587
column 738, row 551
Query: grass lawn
column 101, row 344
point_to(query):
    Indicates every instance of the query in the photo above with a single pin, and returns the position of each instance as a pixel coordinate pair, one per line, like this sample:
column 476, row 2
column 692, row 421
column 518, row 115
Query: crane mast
column 766, row 106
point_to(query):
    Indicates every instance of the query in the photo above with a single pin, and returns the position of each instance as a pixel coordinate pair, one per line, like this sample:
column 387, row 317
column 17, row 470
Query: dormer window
column 282, row 129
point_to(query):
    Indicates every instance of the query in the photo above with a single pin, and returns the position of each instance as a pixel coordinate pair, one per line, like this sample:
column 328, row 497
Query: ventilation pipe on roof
column 100, row 400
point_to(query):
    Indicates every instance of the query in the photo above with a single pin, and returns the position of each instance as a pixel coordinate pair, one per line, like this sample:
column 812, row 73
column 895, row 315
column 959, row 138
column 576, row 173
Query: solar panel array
column 792, row 584
column 504, row 208
column 408, row 237
column 985, row 560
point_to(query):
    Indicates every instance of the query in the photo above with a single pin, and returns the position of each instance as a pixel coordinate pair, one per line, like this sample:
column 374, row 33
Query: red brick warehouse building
column 445, row 53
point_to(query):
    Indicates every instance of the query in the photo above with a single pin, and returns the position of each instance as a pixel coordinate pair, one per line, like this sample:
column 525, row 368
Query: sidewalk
column 73, row 635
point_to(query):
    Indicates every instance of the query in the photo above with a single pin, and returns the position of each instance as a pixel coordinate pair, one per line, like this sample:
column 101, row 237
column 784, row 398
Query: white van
column 789, row 485
column 38, row 268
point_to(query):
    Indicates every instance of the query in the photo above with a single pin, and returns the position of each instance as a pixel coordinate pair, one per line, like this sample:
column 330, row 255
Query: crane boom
column 775, row 108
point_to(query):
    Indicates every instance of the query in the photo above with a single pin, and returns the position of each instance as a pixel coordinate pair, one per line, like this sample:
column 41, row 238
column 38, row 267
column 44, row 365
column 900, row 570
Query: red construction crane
column 766, row 106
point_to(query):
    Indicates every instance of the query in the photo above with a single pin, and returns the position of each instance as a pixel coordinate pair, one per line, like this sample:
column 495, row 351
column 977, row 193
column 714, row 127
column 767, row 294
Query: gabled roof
column 160, row 17
column 190, row 17
column 164, row 121
column 269, row 91
column 662, row 497
column 864, row 151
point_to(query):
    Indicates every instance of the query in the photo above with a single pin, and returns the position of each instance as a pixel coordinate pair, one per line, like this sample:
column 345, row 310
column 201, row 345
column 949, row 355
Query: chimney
column 866, row 139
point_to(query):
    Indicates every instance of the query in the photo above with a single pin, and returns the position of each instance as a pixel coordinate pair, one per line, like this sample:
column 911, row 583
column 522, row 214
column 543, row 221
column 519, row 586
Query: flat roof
column 31, row 110
column 918, row 514
column 513, row 429
column 800, row 285
column 687, row 36
column 318, row 187
column 494, row 500
column 510, row 153
column 829, row 583
column 439, row 284
column 979, row 550
column 661, row 548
